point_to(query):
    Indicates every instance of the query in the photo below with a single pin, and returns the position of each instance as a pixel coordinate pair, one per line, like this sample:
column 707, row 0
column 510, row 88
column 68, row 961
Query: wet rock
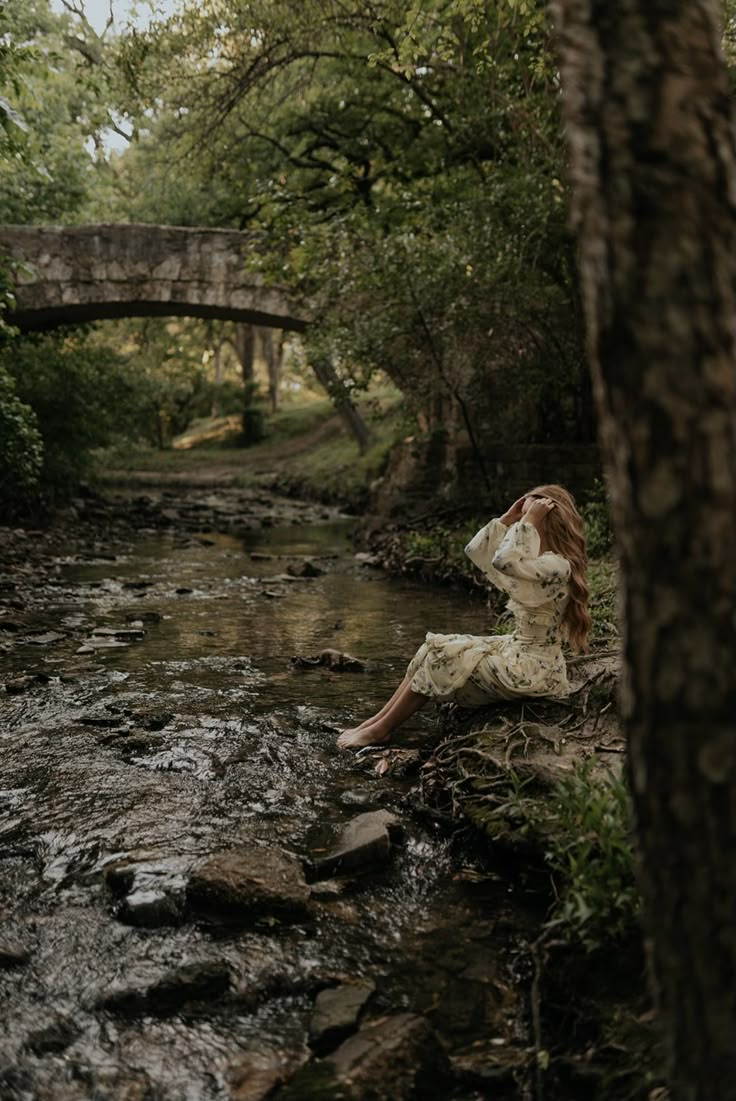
column 336, row 1014
column 365, row 843
column 183, row 591
column 152, row 909
column 155, row 720
column 330, row 659
column 16, row 1082
column 18, row 685
column 13, row 955
column 55, row 1037
column 104, row 642
column 192, row 982
column 253, row 1075
column 367, row 559
column 153, row 892
column 146, row 617
column 44, row 638
column 263, row 881
column 305, row 569
column 122, row 634
column 102, row 721
column 141, row 743
column 489, row 1066
column 397, row 1058
column 365, row 798
column 328, row 889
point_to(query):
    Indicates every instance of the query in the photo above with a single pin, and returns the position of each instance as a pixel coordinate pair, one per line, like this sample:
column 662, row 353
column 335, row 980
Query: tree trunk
column 650, row 135
column 245, row 346
column 273, row 350
column 328, row 377
column 215, row 339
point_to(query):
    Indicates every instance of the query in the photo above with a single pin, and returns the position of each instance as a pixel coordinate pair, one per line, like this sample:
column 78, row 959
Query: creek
column 161, row 721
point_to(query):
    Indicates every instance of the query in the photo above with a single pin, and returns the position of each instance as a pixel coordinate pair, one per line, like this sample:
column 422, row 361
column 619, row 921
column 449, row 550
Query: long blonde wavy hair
column 563, row 534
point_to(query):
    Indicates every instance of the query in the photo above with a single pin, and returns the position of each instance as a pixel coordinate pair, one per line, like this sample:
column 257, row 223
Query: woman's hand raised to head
column 513, row 514
column 538, row 510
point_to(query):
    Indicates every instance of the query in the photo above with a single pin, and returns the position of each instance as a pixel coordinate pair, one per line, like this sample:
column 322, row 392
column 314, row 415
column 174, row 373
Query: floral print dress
column 473, row 670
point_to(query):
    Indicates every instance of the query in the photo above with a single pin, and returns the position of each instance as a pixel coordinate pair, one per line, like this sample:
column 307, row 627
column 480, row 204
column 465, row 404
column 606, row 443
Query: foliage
column 598, row 530
column 45, row 173
column 602, row 583
column 591, row 859
column 21, row 447
column 81, row 395
column 399, row 164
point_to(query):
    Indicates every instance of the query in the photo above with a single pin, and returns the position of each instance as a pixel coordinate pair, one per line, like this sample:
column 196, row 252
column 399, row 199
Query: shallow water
column 246, row 756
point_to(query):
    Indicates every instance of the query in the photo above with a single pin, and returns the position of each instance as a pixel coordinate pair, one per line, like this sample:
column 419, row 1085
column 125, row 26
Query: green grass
column 591, row 858
column 603, row 583
column 330, row 465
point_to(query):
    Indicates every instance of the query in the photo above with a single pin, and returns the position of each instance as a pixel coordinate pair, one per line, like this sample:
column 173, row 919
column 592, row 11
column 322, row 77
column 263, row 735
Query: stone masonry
column 68, row 274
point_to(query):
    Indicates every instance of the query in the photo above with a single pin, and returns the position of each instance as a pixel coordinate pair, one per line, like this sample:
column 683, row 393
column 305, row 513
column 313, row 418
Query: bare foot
column 362, row 736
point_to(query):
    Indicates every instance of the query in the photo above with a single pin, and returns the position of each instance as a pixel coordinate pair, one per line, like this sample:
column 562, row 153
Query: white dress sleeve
column 511, row 561
column 482, row 547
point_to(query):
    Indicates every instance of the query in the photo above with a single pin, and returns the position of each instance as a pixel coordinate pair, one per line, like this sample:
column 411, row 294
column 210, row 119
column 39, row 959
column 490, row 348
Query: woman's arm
column 482, row 547
column 517, row 556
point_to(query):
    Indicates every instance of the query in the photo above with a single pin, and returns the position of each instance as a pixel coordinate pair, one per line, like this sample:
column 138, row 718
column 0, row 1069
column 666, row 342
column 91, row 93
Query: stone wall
column 68, row 274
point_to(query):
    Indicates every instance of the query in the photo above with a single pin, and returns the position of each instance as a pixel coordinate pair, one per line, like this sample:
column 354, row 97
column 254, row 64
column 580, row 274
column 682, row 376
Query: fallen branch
column 593, row 657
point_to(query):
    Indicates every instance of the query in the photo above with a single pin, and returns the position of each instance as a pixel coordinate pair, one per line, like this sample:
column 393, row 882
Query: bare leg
column 403, row 705
column 382, row 712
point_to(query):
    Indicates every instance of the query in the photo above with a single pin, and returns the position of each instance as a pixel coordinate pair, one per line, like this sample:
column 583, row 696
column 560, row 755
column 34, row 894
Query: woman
column 536, row 553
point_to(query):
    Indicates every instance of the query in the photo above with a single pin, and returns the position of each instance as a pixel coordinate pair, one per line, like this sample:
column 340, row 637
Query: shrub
column 591, row 859
column 598, row 531
column 602, row 582
column 82, row 395
column 21, row 448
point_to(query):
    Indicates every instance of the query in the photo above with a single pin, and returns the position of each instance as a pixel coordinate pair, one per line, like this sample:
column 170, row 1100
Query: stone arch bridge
column 68, row 274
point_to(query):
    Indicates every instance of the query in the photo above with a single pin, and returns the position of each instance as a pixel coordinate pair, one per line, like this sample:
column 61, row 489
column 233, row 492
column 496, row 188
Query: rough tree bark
column 245, row 348
column 651, row 145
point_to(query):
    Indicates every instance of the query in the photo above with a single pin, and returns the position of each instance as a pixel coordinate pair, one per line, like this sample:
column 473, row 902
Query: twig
column 593, row 657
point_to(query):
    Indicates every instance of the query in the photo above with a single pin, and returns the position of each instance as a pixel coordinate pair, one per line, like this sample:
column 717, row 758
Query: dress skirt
column 474, row 671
